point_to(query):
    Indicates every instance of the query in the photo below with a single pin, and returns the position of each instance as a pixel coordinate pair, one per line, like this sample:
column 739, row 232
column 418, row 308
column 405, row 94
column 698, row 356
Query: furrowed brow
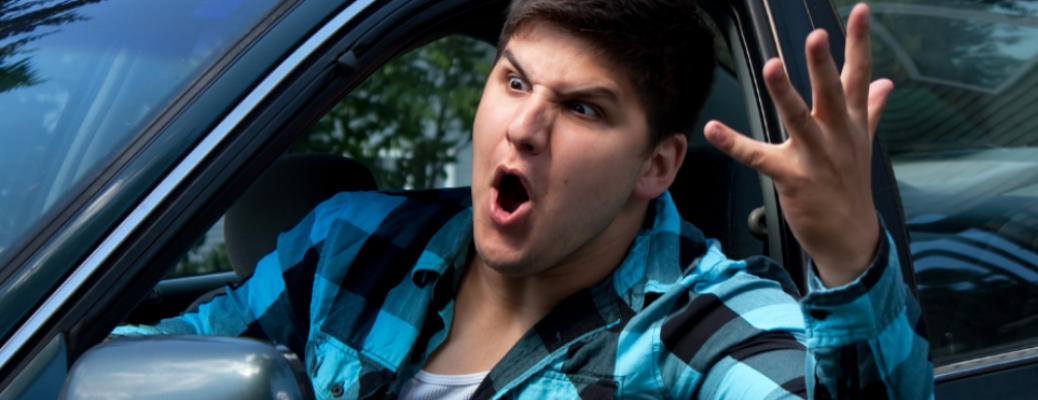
column 594, row 92
column 511, row 59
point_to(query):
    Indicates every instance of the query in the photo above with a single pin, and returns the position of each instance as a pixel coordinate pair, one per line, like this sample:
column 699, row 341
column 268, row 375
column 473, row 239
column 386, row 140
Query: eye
column 583, row 108
column 517, row 84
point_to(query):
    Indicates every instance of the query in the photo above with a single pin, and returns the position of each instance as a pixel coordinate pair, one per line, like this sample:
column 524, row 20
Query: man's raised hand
column 822, row 173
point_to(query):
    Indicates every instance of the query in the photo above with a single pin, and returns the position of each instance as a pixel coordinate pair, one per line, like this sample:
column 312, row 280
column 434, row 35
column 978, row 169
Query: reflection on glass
column 961, row 129
column 78, row 79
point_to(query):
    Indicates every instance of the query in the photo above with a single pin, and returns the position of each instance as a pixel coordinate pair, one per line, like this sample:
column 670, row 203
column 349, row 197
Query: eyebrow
column 593, row 92
column 511, row 59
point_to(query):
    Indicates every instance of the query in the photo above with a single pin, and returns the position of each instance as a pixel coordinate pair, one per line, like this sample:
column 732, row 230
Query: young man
column 566, row 271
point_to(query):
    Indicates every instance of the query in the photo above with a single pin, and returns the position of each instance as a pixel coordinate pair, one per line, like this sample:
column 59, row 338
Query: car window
column 78, row 79
column 207, row 256
column 961, row 127
column 409, row 123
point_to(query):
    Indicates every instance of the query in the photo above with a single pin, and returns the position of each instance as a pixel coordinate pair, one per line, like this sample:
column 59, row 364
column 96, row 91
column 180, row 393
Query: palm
column 822, row 173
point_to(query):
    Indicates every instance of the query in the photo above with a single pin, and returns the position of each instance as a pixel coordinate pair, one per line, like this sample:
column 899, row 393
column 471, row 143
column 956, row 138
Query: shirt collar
column 662, row 252
column 448, row 248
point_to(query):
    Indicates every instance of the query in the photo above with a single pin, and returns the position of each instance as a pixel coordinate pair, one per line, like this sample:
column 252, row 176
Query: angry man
column 566, row 271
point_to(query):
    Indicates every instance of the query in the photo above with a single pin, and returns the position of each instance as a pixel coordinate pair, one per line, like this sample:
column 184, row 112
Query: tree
column 19, row 21
column 408, row 120
column 202, row 261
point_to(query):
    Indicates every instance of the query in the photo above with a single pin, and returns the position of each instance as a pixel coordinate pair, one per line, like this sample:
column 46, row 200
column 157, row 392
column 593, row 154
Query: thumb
column 751, row 153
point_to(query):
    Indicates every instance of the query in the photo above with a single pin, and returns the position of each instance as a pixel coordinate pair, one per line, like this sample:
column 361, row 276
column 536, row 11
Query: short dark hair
column 665, row 47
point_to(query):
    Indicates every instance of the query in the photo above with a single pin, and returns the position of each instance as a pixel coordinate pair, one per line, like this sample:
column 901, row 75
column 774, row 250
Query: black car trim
column 768, row 18
column 986, row 365
column 173, row 179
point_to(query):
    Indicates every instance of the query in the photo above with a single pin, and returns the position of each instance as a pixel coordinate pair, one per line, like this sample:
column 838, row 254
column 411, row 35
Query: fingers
column 794, row 112
column 751, row 153
column 857, row 67
column 878, row 92
column 826, row 87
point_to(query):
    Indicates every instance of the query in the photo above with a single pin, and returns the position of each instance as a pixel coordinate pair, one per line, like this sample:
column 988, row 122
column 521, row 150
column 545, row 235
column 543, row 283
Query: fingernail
column 865, row 18
column 714, row 132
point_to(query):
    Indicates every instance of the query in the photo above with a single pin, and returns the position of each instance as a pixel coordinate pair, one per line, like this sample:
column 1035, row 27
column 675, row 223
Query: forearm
column 861, row 340
column 229, row 314
column 219, row 316
column 867, row 336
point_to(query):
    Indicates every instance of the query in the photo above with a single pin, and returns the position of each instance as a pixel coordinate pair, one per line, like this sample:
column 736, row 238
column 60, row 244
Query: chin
column 507, row 261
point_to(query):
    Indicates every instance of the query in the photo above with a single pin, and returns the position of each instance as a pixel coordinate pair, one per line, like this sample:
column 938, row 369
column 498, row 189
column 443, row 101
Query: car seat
column 293, row 186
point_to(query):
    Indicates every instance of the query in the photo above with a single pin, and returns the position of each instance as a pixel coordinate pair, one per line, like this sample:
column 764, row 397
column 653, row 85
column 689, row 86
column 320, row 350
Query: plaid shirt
column 365, row 285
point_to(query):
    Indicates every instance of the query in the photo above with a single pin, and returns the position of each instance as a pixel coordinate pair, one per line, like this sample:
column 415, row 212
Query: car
column 134, row 132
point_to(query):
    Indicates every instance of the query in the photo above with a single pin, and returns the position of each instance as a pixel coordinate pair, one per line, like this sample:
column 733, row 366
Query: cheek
column 596, row 172
column 486, row 132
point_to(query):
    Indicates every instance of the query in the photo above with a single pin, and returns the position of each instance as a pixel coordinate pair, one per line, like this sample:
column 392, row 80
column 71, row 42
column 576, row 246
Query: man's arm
column 272, row 304
column 863, row 327
column 863, row 340
column 823, row 172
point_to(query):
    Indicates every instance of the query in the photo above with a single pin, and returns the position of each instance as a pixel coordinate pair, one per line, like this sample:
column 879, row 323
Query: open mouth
column 511, row 193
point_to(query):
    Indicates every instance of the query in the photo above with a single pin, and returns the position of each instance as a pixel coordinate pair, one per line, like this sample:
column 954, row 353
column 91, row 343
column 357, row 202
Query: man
column 566, row 271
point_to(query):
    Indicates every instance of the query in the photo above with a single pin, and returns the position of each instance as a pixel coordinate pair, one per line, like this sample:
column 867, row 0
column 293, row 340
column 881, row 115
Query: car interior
column 712, row 191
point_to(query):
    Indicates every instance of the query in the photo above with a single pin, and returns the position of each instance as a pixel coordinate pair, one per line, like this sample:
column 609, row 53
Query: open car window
column 409, row 124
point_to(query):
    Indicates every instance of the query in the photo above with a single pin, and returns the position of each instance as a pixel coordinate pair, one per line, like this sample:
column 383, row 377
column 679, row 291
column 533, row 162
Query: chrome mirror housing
column 187, row 367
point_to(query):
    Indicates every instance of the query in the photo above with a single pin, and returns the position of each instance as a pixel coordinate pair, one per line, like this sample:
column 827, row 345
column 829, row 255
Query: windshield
column 79, row 79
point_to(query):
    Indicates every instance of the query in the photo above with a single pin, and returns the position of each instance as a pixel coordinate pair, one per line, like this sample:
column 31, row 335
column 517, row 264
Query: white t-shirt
column 425, row 386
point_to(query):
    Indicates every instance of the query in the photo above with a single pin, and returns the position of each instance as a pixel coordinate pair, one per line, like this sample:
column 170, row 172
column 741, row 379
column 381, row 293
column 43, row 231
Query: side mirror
column 187, row 367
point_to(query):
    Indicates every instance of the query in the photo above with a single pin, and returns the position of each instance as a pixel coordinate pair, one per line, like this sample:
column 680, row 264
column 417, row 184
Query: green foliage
column 21, row 19
column 407, row 121
column 195, row 262
column 15, row 73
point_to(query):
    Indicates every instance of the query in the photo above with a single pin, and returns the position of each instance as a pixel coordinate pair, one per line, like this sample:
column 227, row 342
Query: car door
column 91, row 263
column 83, row 264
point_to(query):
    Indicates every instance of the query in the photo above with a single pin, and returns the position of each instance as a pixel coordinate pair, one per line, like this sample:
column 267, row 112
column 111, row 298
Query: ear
column 661, row 167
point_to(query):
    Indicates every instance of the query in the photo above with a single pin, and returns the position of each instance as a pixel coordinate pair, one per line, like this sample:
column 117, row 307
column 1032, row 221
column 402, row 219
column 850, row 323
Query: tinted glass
column 78, row 80
column 961, row 129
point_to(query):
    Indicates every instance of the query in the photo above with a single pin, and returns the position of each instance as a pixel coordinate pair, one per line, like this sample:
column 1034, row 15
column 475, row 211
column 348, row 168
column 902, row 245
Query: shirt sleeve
column 865, row 340
column 868, row 336
column 274, row 303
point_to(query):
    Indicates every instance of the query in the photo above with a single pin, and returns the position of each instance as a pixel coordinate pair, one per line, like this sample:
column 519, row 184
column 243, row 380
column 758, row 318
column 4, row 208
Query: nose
column 530, row 129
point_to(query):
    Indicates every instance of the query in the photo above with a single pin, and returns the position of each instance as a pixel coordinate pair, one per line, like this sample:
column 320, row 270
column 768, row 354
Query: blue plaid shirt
column 364, row 286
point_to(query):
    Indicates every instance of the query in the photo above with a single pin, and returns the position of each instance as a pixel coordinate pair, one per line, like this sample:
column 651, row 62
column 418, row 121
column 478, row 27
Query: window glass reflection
column 78, row 79
column 960, row 128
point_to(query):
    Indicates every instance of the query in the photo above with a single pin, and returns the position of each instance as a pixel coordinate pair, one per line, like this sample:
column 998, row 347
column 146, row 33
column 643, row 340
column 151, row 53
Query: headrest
column 293, row 186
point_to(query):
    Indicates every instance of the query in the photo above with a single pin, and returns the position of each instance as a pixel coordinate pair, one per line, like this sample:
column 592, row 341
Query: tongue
column 512, row 193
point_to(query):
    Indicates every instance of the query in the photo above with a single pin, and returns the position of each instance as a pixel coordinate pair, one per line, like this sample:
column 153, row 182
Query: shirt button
column 337, row 390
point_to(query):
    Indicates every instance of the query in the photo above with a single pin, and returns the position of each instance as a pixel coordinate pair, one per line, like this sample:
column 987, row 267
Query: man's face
column 559, row 141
